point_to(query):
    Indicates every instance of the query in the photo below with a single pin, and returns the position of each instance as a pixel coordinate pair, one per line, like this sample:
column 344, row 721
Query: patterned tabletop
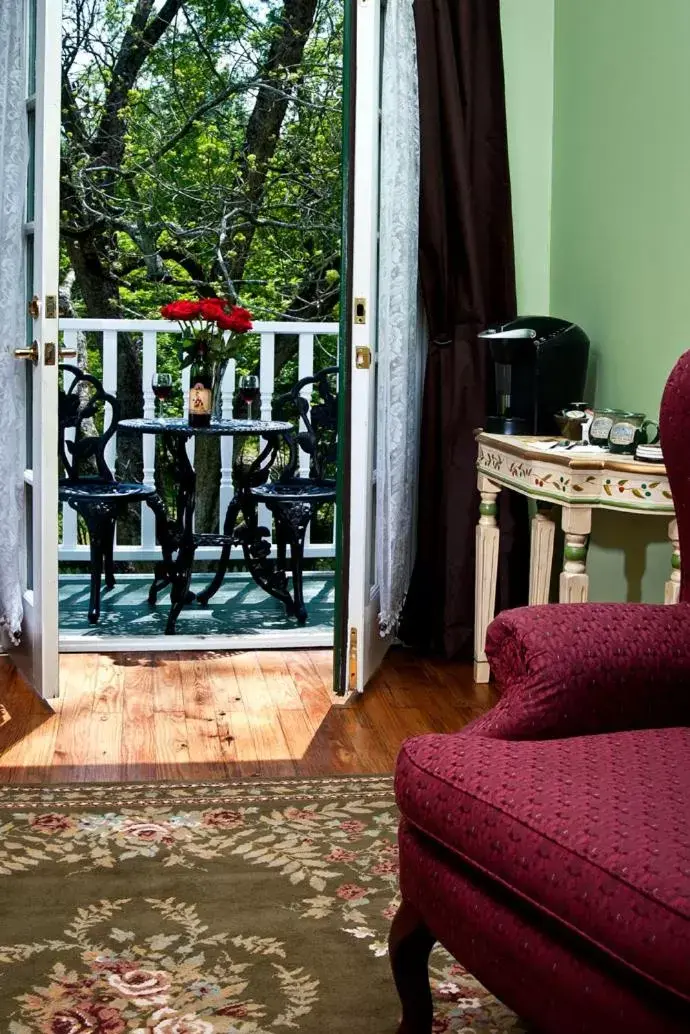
column 573, row 478
column 179, row 425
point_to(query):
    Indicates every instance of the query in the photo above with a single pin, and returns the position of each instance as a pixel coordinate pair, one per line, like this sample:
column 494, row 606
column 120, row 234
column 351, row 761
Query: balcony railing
column 106, row 333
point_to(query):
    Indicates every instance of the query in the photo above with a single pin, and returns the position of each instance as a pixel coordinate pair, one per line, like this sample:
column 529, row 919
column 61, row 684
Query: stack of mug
column 627, row 434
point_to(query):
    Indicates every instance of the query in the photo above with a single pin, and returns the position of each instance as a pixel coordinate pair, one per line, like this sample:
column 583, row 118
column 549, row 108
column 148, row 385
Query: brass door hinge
column 362, row 357
column 360, row 310
column 352, row 659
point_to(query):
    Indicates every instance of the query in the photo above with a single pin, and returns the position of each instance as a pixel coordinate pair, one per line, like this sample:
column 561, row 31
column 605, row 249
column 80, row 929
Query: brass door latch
column 352, row 660
column 362, row 357
column 49, row 353
column 28, row 353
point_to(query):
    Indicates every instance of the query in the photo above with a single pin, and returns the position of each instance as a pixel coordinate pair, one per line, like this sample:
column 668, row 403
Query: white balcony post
column 226, row 483
column 149, row 365
column 110, row 384
column 305, row 368
column 185, row 410
column 69, row 516
column 267, row 367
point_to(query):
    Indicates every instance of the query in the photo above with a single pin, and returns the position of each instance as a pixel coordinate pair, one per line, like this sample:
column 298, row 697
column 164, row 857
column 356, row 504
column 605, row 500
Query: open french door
column 37, row 657
column 359, row 647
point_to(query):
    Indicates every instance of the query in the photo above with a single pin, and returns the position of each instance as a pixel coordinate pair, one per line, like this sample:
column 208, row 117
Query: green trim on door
column 342, row 525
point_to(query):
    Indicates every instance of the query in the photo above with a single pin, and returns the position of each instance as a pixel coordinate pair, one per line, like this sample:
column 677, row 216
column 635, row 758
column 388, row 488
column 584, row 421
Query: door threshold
column 288, row 639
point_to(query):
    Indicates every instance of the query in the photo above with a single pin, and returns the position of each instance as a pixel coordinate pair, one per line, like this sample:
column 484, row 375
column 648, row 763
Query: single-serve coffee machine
column 539, row 367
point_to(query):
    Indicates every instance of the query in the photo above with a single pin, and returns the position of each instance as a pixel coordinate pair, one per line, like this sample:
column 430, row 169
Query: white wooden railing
column 108, row 330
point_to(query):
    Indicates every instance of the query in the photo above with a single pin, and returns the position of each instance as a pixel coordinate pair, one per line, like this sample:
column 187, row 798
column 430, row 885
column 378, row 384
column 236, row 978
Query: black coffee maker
column 539, row 367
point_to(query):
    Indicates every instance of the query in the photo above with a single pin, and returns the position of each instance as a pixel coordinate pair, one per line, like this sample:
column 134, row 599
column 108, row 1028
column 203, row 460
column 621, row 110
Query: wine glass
column 162, row 388
column 249, row 391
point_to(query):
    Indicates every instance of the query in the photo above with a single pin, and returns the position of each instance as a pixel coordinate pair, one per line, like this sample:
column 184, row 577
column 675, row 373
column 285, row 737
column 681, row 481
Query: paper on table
column 573, row 450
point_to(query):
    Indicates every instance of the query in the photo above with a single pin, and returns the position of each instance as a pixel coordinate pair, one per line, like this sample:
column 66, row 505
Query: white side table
column 576, row 483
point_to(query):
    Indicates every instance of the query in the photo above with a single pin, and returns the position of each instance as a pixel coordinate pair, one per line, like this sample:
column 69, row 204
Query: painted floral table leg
column 485, row 573
column 672, row 587
column 541, row 554
column 576, row 522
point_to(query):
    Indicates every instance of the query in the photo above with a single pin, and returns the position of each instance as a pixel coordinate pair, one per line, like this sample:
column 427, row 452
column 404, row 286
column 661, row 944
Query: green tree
column 201, row 155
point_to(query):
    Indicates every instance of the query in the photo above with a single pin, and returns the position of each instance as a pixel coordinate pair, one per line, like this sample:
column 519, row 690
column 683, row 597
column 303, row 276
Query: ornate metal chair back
column 85, row 407
column 316, row 425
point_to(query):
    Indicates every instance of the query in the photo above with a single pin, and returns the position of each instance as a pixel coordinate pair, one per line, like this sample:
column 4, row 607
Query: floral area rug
column 209, row 909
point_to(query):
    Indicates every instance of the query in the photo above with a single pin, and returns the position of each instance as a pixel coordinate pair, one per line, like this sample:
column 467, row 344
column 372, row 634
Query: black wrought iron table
column 178, row 550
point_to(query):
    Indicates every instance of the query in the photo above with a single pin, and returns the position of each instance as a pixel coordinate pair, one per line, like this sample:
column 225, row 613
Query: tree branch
column 139, row 39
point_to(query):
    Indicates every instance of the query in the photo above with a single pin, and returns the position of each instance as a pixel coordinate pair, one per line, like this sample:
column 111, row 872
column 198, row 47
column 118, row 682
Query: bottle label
column 199, row 400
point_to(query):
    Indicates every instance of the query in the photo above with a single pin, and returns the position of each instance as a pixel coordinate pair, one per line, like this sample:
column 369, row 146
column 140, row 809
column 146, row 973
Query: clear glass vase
column 218, row 370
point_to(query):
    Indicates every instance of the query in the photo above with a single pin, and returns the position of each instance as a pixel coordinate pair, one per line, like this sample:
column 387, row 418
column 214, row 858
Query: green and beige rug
column 209, row 909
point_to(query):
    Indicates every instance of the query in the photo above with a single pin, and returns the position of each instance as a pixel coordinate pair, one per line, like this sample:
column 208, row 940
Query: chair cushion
column 593, row 830
column 552, row 982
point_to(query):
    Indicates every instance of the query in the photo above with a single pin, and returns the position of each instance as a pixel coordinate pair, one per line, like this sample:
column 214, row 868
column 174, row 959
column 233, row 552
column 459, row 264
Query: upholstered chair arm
column 575, row 669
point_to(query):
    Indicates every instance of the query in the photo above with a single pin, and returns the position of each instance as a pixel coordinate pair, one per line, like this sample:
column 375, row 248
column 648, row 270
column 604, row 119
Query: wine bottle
column 200, row 382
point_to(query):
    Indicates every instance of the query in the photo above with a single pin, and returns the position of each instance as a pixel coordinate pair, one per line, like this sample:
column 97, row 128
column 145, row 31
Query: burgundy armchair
column 547, row 845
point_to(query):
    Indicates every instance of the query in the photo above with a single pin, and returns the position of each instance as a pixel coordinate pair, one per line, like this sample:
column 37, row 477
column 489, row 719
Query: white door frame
column 366, row 648
column 37, row 657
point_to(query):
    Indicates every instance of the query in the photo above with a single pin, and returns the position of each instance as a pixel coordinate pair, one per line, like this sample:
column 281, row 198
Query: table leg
column 487, row 535
column 180, row 570
column 541, row 554
column 576, row 522
column 672, row 588
column 229, row 523
column 253, row 539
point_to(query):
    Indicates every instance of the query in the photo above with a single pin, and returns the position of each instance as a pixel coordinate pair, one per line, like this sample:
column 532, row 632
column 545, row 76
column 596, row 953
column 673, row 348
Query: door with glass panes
column 359, row 647
column 37, row 656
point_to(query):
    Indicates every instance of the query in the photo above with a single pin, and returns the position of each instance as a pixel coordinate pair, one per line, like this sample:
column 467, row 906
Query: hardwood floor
column 216, row 716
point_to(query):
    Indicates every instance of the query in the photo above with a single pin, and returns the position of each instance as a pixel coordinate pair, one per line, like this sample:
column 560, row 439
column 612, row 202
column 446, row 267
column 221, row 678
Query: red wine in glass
column 162, row 388
column 249, row 392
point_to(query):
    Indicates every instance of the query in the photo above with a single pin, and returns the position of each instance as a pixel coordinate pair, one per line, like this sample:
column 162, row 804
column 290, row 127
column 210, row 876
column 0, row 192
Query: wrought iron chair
column 293, row 499
column 88, row 485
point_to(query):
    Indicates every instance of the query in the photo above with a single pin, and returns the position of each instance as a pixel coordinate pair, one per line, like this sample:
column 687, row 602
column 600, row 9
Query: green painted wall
column 620, row 228
column 528, row 41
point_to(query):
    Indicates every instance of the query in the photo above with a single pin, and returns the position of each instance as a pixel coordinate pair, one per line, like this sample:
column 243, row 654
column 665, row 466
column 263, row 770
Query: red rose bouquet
column 209, row 320
column 217, row 324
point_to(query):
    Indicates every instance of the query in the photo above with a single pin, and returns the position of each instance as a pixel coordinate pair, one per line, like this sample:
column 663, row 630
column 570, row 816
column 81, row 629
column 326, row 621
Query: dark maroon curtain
column 468, row 281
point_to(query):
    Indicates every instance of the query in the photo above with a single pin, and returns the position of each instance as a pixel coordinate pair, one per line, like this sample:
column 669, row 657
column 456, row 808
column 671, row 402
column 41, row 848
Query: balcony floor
column 240, row 609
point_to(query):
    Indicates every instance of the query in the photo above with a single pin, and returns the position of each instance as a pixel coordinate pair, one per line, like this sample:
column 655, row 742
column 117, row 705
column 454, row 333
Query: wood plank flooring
column 184, row 716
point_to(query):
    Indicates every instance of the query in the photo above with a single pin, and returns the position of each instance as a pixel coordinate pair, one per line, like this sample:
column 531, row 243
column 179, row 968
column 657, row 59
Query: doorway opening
column 202, row 157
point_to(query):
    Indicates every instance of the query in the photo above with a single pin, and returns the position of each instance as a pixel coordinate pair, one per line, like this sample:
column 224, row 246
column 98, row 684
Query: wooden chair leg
column 409, row 947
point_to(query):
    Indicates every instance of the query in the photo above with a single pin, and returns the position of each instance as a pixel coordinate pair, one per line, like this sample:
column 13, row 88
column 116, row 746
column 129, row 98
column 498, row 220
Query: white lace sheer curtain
column 13, row 163
column 400, row 342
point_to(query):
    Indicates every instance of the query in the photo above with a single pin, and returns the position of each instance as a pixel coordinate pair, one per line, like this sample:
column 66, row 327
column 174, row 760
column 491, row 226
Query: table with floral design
column 578, row 480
